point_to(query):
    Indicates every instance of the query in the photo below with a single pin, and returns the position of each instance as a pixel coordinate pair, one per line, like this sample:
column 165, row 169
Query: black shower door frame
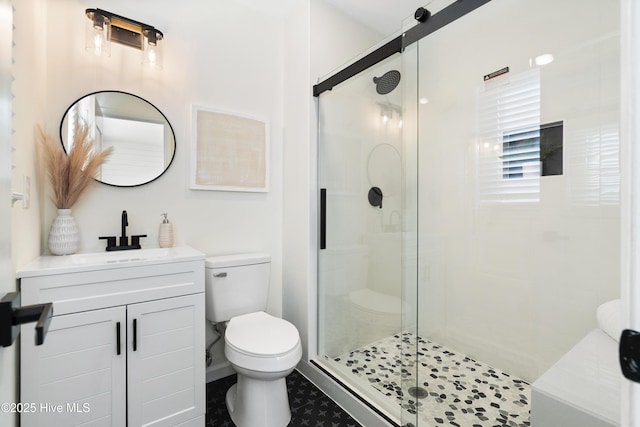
column 441, row 19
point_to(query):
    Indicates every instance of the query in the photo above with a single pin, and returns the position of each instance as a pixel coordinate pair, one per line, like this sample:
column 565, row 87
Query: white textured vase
column 64, row 238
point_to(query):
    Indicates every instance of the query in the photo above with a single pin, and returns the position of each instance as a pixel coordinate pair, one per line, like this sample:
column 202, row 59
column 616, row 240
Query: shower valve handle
column 375, row 197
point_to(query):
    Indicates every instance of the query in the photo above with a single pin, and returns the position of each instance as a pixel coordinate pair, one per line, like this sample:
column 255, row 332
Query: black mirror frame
column 175, row 145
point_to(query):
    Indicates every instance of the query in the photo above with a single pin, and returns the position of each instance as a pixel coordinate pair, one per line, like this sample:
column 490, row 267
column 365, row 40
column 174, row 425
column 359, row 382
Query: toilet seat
column 261, row 342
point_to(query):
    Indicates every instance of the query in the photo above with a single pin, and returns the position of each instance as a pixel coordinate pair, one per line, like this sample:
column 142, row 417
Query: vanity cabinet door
column 166, row 361
column 77, row 376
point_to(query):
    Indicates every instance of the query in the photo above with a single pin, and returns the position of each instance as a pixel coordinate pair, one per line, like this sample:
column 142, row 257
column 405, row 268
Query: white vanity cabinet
column 126, row 344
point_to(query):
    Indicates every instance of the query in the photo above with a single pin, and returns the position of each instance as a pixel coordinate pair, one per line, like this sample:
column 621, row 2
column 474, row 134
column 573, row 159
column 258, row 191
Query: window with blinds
column 520, row 152
column 594, row 153
column 509, row 135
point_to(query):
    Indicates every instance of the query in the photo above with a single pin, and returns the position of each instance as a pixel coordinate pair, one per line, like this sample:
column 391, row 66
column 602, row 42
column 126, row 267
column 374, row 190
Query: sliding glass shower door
column 470, row 198
column 519, row 212
column 362, row 302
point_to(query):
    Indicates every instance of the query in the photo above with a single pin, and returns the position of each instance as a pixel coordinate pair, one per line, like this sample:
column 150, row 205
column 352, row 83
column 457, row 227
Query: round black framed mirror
column 142, row 138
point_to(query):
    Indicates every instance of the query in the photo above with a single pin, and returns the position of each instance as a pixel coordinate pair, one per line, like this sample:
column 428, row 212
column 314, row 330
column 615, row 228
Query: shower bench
column 582, row 388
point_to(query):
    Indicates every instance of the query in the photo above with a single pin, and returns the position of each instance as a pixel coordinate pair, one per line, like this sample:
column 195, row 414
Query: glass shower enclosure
column 364, row 252
column 470, row 209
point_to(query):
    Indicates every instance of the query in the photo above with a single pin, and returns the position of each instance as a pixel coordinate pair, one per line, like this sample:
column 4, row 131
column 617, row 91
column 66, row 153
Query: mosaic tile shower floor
column 452, row 389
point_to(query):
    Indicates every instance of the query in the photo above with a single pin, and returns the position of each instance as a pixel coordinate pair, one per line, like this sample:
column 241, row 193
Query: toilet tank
column 236, row 284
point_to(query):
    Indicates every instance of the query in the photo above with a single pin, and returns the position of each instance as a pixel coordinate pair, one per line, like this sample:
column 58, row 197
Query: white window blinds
column 509, row 139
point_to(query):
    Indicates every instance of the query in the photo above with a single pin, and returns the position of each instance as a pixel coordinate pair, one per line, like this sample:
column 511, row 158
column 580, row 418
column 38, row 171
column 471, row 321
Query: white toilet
column 262, row 349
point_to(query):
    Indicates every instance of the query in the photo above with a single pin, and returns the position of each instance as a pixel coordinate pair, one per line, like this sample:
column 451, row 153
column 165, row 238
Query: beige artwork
column 231, row 152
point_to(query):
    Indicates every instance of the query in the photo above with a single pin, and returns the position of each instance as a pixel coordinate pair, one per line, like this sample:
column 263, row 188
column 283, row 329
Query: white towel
column 609, row 317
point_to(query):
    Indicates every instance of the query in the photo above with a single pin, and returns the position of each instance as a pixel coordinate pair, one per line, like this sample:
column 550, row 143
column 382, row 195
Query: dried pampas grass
column 71, row 174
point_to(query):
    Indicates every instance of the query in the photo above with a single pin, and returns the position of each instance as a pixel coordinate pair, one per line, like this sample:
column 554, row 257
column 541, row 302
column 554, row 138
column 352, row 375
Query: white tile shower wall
column 520, row 282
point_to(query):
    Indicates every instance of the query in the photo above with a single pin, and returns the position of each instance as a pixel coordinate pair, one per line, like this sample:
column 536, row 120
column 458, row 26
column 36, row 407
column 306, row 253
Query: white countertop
column 47, row 265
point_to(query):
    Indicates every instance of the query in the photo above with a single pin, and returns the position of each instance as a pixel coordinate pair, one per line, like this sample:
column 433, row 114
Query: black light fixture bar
column 441, row 19
column 126, row 31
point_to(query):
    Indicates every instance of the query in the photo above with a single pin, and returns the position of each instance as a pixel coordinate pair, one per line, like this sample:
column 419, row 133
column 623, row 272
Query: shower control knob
column 375, row 197
column 421, row 14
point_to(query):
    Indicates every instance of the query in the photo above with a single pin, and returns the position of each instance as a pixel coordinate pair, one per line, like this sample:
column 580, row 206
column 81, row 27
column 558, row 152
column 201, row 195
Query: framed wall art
column 229, row 152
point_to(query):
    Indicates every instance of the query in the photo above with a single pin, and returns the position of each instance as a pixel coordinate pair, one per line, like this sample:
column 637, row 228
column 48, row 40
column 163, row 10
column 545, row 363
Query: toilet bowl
column 261, row 348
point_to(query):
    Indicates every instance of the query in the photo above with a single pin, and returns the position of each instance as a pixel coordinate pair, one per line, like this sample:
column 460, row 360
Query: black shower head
column 388, row 82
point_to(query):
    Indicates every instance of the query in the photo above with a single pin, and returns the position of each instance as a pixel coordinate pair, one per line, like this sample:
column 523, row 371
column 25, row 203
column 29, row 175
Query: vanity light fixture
column 105, row 27
column 385, row 116
column 390, row 111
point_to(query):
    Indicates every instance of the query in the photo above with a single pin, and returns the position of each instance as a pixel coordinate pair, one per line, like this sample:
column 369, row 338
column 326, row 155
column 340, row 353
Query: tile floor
column 310, row 407
column 454, row 389
column 450, row 388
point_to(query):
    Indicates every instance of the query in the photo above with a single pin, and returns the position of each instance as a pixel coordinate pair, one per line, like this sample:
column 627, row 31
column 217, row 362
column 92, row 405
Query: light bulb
column 152, row 57
column 98, row 35
column 97, row 44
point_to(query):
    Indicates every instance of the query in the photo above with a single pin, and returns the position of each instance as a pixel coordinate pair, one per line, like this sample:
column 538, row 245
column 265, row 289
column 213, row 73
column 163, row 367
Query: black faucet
column 124, row 240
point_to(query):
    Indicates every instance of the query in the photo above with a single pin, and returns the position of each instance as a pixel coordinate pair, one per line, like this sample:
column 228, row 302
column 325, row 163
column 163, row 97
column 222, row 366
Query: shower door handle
column 323, row 218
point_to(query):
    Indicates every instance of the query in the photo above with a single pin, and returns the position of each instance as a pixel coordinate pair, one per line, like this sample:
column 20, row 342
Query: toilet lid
column 261, row 334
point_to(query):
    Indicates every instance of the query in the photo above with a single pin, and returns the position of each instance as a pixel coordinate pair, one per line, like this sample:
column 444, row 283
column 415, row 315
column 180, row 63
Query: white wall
column 7, row 355
column 28, row 86
column 298, row 306
column 630, row 136
column 325, row 39
column 250, row 58
column 337, row 40
column 223, row 55
column 29, row 105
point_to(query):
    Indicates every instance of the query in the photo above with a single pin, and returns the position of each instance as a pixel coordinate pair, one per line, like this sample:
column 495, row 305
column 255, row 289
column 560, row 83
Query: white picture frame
column 229, row 151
